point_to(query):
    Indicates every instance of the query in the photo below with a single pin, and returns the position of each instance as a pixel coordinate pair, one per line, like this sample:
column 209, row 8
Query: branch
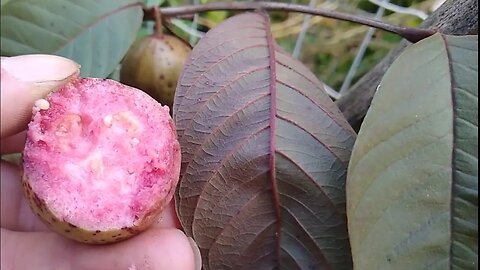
column 411, row 34
column 452, row 18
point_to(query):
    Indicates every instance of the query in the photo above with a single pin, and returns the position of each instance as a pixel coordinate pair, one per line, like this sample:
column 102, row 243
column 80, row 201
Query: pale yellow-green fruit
column 153, row 64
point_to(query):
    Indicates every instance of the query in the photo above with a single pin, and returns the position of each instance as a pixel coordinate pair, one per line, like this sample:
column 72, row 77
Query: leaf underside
column 95, row 34
column 264, row 155
column 412, row 188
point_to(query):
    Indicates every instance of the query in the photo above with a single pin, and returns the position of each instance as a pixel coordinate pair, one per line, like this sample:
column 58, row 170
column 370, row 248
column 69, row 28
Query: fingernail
column 43, row 72
column 196, row 253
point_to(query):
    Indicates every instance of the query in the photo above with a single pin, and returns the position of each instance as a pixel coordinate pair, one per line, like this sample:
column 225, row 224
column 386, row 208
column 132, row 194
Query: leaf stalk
column 157, row 13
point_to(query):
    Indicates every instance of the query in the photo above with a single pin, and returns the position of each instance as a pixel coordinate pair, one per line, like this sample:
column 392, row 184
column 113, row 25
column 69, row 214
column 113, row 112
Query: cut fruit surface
column 101, row 155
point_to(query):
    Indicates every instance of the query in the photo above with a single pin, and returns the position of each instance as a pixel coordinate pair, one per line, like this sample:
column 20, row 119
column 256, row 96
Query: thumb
column 153, row 249
column 25, row 79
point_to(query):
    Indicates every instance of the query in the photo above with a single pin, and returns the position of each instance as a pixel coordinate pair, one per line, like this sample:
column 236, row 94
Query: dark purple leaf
column 264, row 155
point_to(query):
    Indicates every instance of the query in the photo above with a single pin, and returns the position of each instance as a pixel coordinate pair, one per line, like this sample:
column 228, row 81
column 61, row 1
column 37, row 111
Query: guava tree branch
column 411, row 34
column 453, row 18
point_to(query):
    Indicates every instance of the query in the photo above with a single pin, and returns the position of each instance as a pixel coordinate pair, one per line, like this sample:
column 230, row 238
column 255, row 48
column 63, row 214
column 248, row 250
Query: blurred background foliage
column 329, row 46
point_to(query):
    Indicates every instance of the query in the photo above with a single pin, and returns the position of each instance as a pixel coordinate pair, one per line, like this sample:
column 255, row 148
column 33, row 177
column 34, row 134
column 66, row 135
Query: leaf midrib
column 273, row 116
column 452, row 156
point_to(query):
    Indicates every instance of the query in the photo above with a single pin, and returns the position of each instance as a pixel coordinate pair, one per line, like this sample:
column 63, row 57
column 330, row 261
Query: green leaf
column 216, row 16
column 412, row 185
column 145, row 30
column 153, row 3
column 96, row 34
column 3, row 2
column 115, row 75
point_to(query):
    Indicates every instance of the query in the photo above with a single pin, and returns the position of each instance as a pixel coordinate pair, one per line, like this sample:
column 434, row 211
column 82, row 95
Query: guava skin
column 101, row 161
column 154, row 64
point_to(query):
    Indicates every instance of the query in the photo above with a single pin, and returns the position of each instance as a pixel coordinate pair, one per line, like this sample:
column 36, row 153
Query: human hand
column 28, row 244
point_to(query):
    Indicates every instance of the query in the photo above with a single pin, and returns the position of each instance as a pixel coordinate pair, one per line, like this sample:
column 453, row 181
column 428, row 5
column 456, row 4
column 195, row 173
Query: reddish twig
column 411, row 34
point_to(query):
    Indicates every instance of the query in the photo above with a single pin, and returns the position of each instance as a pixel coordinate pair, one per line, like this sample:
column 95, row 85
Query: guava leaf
column 96, row 34
column 3, row 2
column 412, row 188
column 153, row 3
column 264, row 155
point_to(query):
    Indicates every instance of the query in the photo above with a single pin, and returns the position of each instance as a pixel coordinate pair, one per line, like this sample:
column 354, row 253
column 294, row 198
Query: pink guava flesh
column 100, row 154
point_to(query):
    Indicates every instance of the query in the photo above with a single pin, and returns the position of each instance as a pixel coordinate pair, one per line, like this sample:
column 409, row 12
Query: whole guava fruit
column 153, row 64
column 101, row 160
